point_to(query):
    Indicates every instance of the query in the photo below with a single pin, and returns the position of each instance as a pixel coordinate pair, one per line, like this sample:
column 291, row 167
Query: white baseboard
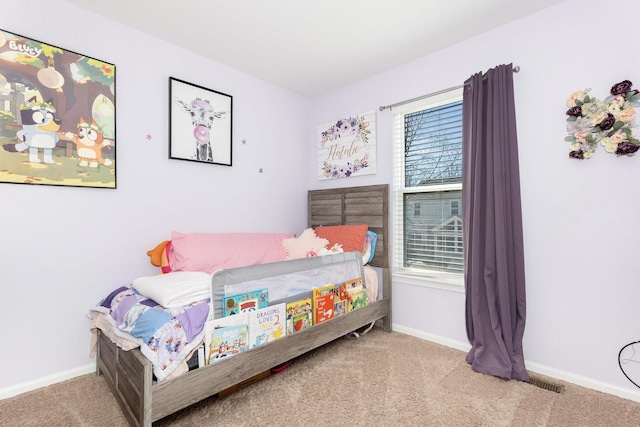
column 531, row 366
column 46, row 381
column 433, row 338
column 584, row 381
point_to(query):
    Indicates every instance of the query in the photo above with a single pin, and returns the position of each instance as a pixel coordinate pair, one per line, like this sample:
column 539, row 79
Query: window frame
column 417, row 276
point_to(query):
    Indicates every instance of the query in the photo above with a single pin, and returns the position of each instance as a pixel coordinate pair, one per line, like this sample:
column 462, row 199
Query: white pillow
column 175, row 289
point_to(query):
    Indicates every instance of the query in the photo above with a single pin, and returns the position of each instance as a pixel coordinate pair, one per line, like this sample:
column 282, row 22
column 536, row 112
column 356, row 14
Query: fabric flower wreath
column 610, row 122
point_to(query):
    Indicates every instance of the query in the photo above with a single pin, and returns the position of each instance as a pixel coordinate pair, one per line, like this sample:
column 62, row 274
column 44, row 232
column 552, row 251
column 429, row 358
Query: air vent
column 546, row 385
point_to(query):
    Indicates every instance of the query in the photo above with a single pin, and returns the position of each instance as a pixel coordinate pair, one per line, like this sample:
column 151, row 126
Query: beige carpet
column 378, row 380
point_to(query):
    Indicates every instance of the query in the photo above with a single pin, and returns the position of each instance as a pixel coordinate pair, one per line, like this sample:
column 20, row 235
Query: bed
column 129, row 373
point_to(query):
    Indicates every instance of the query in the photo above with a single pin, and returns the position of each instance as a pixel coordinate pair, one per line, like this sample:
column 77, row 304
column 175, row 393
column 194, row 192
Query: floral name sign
column 347, row 147
column 610, row 123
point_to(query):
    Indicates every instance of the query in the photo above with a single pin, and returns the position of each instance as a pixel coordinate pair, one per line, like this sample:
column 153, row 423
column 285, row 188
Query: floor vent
column 556, row 388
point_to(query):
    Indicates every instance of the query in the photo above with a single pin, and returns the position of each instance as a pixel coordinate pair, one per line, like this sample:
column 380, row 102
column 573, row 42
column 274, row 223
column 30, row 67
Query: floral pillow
column 307, row 244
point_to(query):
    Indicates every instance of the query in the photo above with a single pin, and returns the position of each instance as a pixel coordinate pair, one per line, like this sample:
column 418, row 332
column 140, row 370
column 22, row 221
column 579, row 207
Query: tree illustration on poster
column 347, row 147
column 57, row 115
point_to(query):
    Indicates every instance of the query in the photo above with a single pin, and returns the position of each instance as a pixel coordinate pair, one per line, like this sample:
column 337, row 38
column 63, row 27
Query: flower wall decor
column 347, row 147
column 609, row 122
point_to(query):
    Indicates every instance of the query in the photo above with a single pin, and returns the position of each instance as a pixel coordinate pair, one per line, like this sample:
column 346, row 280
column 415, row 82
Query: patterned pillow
column 307, row 244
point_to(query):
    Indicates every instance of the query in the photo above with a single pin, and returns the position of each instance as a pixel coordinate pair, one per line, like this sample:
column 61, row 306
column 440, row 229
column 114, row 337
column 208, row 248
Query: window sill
column 452, row 282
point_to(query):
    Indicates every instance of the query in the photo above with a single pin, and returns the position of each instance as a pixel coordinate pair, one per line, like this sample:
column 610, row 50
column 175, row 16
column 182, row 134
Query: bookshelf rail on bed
column 129, row 373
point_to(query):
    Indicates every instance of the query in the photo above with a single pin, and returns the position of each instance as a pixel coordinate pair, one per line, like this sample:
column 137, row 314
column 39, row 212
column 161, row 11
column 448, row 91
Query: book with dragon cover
column 267, row 324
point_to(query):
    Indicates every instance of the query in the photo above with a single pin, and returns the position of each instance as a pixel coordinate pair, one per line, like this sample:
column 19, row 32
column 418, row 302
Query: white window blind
column 428, row 187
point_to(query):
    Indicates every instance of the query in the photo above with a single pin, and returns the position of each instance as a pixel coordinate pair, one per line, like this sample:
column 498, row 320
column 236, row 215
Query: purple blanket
column 166, row 335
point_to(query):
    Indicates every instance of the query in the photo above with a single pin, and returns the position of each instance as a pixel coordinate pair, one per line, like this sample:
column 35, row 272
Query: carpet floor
column 379, row 379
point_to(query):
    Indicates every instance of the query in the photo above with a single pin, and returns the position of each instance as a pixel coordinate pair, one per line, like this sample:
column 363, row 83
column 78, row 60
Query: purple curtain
column 492, row 226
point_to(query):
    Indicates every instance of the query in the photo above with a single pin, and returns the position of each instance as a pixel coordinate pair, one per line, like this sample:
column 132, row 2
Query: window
column 455, row 207
column 428, row 188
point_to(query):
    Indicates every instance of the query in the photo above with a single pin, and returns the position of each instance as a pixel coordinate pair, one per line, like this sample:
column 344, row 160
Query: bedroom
column 581, row 291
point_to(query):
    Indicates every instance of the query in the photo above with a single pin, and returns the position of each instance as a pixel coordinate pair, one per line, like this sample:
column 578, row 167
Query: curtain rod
column 429, row 95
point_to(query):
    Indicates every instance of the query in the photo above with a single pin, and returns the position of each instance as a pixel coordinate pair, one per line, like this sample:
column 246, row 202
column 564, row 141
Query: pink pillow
column 210, row 252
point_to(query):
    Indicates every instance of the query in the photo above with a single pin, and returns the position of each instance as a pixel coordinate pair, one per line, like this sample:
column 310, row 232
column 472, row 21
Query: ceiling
column 313, row 47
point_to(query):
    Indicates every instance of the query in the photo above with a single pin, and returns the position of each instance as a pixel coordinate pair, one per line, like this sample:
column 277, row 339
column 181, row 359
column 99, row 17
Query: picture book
column 340, row 300
column 324, row 290
column 356, row 294
column 267, row 324
column 227, row 341
column 323, row 303
column 340, row 307
column 299, row 315
column 354, row 284
column 244, row 302
column 211, row 326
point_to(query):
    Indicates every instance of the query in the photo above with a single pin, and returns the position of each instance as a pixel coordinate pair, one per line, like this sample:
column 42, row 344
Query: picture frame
column 57, row 115
column 200, row 123
column 347, row 147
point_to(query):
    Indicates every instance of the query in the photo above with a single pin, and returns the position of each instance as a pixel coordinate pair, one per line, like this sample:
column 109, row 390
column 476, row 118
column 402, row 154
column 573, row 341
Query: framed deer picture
column 200, row 123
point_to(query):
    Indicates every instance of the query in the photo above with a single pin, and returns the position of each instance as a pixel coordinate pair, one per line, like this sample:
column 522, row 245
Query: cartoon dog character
column 39, row 127
column 202, row 116
column 89, row 144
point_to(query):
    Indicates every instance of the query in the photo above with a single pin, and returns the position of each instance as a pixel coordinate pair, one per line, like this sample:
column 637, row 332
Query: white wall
column 64, row 248
column 580, row 217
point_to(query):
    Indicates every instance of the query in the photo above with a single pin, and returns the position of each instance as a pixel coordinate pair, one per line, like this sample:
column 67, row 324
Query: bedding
column 175, row 289
column 350, row 237
column 166, row 336
column 305, row 245
column 370, row 246
column 210, row 252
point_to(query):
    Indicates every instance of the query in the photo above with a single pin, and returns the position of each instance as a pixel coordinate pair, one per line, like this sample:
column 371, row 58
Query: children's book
column 354, row 284
column 340, row 307
column 340, row 301
column 299, row 315
column 227, row 341
column 358, row 299
column 323, row 303
column 212, row 328
column 244, row 302
column 267, row 324
column 356, row 294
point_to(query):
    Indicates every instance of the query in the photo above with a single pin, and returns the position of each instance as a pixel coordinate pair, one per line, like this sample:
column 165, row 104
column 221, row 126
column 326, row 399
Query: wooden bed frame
column 129, row 373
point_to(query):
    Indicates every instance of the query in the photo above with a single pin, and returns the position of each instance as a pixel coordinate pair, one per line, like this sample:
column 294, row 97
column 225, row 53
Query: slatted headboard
column 354, row 205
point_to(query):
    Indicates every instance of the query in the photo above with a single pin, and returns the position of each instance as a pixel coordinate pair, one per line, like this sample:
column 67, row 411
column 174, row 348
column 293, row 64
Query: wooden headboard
column 354, row 205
